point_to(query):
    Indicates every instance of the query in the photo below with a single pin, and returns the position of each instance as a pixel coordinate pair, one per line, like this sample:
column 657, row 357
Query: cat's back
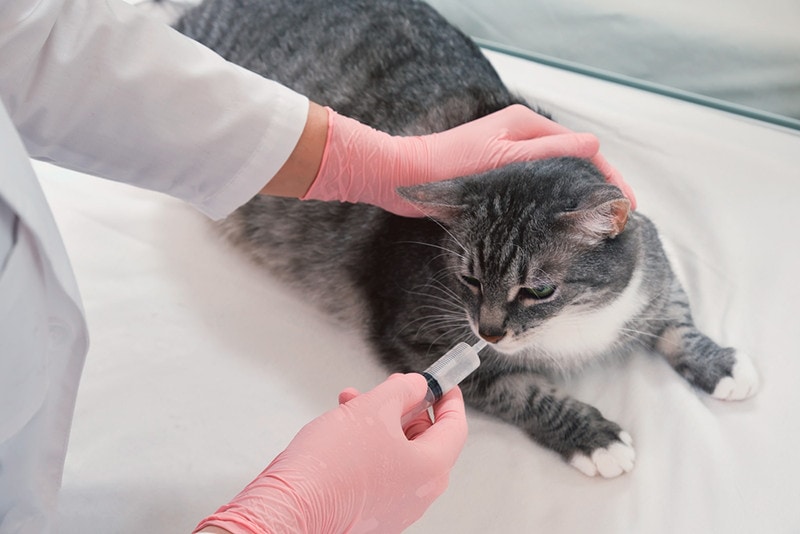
column 393, row 64
column 396, row 65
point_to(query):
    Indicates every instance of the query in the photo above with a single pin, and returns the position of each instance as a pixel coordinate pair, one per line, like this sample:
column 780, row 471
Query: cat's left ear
column 439, row 200
column 603, row 214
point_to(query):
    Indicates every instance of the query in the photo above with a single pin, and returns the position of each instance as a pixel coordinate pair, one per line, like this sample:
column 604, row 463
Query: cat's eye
column 471, row 281
column 539, row 292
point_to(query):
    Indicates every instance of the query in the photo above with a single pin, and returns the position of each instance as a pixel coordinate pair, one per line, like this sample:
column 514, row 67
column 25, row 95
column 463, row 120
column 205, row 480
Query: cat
column 543, row 259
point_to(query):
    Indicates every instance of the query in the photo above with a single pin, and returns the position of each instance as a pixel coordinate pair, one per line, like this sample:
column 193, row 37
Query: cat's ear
column 439, row 200
column 603, row 214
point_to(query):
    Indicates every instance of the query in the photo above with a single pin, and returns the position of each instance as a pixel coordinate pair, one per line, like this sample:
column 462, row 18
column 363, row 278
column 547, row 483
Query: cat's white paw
column 608, row 462
column 743, row 383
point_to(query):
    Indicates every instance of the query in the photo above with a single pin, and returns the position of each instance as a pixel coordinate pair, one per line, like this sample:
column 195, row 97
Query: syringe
column 445, row 373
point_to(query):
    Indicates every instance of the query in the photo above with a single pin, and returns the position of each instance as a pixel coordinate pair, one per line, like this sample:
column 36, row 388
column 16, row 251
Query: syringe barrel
column 449, row 370
column 445, row 374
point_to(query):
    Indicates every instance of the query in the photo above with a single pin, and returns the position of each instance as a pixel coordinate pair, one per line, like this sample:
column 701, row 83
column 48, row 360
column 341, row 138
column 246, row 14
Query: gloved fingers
column 446, row 436
column 346, row 395
column 423, row 422
column 578, row 145
column 614, row 177
column 398, row 393
column 418, row 425
column 350, row 393
column 521, row 122
column 451, row 405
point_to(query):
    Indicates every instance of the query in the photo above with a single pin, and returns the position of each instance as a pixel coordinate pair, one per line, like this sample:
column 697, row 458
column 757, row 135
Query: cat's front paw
column 611, row 461
column 741, row 384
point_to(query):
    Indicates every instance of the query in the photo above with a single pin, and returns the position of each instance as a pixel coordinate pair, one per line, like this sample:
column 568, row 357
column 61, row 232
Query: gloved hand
column 361, row 164
column 354, row 469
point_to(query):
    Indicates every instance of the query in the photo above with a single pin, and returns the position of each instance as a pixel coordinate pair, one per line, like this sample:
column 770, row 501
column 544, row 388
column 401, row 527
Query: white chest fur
column 579, row 334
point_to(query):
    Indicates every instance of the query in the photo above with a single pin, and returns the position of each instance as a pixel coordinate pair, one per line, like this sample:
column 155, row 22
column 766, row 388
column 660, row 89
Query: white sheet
column 202, row 368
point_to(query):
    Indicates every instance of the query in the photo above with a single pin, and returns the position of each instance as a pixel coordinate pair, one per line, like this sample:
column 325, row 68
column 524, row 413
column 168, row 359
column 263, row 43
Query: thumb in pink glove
column 361, row 164
column 354, row 469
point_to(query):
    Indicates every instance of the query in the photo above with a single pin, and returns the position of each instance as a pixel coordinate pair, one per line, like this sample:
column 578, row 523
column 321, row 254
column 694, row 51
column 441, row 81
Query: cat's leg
column 578, row 432
column 723, row 372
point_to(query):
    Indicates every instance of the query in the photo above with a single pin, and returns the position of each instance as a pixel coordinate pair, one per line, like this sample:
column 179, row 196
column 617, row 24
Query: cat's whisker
column 634, row 332
column 446, row 324
column 449, row 233
column 437, row 290
column 433, row 323
column 446, row 299
column 454, row 315
column 442, row 311
column 433, row 319
column 441, row 247
column 434, row 293
column 449, row 332
column 440, row 286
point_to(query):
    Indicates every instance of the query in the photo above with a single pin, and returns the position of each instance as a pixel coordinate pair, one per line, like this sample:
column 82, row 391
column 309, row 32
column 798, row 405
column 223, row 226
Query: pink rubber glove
column 354, row 469
column 361, row 164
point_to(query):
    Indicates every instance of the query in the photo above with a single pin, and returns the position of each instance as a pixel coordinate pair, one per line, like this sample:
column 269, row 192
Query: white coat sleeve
column 95, row 86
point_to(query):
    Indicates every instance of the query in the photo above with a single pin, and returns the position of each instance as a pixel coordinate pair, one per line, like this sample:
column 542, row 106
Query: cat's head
column 535, row 247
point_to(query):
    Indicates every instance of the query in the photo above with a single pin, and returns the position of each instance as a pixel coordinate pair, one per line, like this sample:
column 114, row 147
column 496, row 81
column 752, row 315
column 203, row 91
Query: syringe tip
column 480, row 344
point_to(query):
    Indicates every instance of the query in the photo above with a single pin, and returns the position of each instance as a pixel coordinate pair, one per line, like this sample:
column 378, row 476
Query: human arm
column 95, row 86
column 340, row 159
column 332, row 476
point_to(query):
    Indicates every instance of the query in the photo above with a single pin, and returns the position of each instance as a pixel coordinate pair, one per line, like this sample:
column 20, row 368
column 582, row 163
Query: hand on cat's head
column 572, row 190
column 530, row 136
column 356, row 154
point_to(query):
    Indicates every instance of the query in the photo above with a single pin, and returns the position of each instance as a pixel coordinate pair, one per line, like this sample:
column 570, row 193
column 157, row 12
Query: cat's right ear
column 438, row 200
column 603, row 214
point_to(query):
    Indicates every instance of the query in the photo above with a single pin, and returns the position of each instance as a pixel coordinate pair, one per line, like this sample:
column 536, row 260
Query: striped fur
column 492, row 243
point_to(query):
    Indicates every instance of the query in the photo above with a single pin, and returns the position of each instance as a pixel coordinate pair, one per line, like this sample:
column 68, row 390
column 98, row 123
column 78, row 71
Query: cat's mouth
column 500, row 340
column 507, row 344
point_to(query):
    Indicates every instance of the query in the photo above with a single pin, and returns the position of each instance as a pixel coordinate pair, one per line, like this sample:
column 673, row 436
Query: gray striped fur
column 398, row 66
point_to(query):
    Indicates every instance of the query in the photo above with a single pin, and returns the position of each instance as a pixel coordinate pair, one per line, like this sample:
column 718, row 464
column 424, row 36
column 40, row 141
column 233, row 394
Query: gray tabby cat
column 542, row 259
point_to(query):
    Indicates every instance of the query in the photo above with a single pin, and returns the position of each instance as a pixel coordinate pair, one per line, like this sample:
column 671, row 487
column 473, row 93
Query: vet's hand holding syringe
column 325, row 480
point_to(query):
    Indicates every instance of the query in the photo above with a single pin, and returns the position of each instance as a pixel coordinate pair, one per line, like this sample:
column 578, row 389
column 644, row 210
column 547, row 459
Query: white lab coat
column 92, row 85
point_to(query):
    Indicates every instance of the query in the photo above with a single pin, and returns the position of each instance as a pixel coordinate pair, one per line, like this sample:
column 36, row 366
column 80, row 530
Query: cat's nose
column 492, row 338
